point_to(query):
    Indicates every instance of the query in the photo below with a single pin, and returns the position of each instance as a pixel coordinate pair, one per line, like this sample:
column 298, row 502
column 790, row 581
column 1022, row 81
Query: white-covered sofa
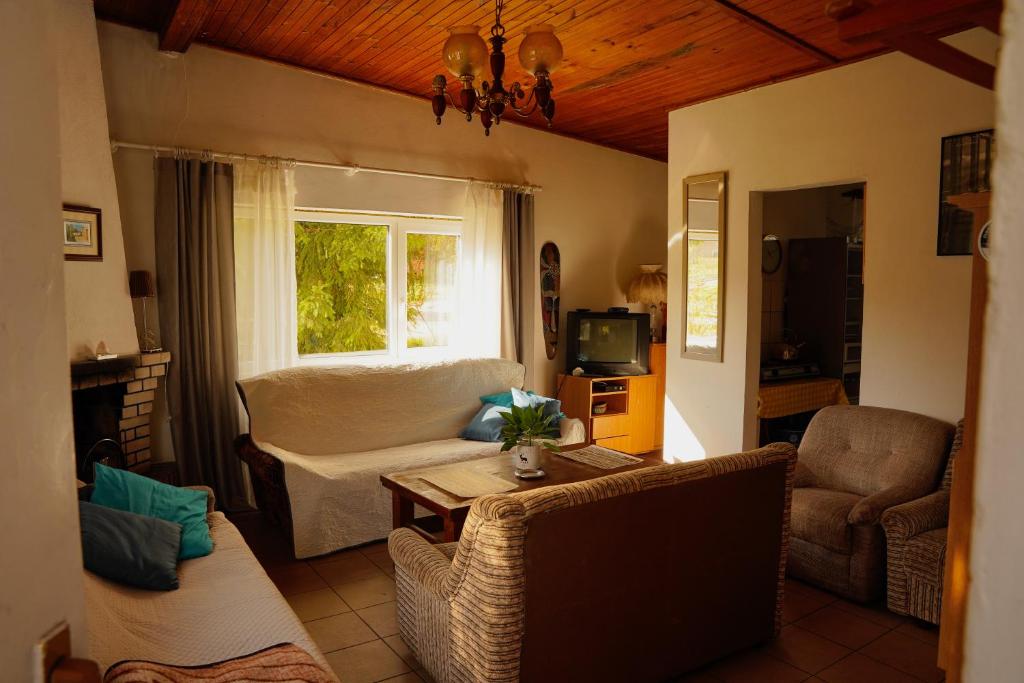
column 320, row 438
column 225, row 607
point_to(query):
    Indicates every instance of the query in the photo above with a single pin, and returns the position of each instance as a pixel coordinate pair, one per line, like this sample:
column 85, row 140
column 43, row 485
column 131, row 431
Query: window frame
column 399, row 225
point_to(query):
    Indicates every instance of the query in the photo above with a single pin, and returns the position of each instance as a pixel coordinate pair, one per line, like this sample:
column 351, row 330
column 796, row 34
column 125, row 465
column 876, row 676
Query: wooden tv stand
column 634, row 420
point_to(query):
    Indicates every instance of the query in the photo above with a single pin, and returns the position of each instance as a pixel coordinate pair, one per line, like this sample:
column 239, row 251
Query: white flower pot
column 527, row 461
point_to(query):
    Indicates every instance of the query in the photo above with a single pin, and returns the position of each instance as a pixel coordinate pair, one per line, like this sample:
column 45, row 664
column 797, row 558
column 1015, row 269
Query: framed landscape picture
column 83, row 233
column 966, row 168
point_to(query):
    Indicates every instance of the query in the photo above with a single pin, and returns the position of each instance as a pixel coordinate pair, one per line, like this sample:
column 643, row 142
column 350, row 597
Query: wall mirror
column 704, row 266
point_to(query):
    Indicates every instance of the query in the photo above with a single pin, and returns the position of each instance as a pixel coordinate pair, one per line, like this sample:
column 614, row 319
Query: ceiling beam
column 754, row 21
column 858, row 22
column 946, row 57
column 183, row 24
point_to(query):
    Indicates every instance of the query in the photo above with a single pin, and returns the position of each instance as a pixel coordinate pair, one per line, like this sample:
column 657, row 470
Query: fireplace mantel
column 140, row 373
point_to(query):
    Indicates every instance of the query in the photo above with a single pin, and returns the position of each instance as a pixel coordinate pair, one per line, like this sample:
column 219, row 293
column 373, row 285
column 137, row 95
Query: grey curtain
column 196, row 289
column 516, row 271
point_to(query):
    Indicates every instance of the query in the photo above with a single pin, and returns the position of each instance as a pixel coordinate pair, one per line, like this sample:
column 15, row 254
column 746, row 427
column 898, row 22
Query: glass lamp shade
column 465, row 52
column 540, row 49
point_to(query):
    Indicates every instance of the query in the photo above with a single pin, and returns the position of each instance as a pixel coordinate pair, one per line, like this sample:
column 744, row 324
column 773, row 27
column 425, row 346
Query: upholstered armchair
column 856, row 462
column 636, row 576
column 915, row 535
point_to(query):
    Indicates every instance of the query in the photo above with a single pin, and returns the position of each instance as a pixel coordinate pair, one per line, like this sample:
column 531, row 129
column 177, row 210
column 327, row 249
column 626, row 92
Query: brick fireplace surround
column 141, row 379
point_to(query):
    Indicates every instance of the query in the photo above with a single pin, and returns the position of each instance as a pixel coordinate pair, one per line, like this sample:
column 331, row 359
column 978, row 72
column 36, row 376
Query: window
column 357, row 275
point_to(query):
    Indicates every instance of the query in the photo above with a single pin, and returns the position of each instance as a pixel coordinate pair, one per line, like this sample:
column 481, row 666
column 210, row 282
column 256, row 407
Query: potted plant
column 529, row 431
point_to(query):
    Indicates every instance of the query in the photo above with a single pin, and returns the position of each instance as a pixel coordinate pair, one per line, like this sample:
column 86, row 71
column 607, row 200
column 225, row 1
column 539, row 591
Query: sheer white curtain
column 265, row 265
column 480, row 289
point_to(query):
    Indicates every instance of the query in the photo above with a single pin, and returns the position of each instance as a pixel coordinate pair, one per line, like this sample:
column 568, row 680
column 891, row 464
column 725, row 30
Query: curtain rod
column 351, row 169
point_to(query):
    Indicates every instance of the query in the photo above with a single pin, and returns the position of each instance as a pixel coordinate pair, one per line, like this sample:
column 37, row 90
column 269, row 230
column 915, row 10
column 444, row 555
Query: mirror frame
column 722, row 178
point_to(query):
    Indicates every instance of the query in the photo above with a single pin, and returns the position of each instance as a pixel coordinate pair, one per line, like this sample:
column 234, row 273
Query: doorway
column 812, row 305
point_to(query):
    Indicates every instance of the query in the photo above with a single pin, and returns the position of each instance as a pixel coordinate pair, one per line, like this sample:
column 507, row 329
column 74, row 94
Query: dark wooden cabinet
column 825, row 305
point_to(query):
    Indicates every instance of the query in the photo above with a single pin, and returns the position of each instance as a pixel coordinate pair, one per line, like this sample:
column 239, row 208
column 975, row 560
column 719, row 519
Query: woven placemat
column 603, row 458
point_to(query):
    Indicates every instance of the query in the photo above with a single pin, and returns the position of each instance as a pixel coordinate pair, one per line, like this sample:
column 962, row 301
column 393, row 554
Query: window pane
column 342, row 287
column 431, row 299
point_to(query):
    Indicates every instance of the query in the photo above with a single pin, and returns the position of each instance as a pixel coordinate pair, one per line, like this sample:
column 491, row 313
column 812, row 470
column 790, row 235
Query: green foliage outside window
column 342, row 287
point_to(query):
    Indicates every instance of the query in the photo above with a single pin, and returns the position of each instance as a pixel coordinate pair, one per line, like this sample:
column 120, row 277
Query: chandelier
column 465, row 54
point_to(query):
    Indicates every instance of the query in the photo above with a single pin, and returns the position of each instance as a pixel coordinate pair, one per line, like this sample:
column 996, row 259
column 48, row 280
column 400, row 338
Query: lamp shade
column 649, row 286
column 140, row 284
column 465, row 52
column 540, row 50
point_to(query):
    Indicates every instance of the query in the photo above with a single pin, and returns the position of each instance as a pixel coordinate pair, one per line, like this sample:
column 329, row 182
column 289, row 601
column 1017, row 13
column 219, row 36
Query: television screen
column 607, row 340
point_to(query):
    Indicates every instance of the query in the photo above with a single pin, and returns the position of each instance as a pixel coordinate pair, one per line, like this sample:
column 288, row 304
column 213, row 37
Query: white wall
column 604, row 209
column 996, row 598
column 98, row 305
column 40, row 561
column 878, row 121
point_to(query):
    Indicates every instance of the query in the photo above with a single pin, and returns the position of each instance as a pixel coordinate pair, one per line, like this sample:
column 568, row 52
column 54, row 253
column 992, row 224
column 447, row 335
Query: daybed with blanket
column 320, row 438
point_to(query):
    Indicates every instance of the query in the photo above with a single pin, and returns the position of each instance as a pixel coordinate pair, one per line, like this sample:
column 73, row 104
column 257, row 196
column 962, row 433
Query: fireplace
column 112, row 401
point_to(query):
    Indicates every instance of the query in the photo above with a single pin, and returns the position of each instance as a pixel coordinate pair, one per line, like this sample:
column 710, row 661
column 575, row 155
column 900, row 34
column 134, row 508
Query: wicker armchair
column 636, row 576
column 915, row 535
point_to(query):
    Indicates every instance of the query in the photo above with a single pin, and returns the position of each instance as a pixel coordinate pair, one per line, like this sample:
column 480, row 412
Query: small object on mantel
column 102, row 353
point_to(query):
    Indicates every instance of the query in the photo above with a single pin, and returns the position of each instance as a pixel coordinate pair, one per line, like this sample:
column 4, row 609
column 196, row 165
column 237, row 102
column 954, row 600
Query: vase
column 526, row 457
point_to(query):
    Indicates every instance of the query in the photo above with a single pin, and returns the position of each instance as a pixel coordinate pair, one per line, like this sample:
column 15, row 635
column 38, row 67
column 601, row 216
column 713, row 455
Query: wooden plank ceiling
column 627, row 62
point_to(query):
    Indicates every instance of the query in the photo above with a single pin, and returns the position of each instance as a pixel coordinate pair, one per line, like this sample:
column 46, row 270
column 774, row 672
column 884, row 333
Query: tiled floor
column 347, row 602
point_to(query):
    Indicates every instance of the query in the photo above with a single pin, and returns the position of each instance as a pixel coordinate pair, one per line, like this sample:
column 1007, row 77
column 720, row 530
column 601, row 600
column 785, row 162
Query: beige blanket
column 226, row 607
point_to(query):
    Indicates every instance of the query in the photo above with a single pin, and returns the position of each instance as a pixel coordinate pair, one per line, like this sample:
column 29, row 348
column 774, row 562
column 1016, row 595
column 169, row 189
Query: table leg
column 452, row 529
column 401, row 511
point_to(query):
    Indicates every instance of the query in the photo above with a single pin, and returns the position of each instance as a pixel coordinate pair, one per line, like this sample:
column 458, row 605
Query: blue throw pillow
column 486, row 425
column 124, row 490
column 526, row 399
column 129, row 548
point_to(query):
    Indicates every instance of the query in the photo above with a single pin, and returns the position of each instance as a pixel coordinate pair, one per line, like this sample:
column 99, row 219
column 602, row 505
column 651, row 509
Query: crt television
column 609, row 344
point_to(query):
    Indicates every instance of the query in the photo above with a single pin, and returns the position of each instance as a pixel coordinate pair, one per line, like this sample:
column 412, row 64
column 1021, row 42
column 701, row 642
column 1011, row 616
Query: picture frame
column 966, row 167
column 82, row 227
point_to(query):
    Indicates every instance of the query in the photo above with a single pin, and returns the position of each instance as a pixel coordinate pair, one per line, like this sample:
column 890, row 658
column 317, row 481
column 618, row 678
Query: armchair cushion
column 820, row 516
column 869, row 510
column 421, row 560
column 803, row 476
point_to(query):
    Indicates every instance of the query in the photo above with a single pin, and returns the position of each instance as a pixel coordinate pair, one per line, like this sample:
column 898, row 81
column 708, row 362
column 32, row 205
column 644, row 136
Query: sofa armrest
column 572, row 432
column 869, row 510
column 211, row 499
column 421, row 560
column 916, row 517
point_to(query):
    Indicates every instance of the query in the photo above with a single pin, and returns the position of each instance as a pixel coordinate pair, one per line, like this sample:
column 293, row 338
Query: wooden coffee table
column 409, row 489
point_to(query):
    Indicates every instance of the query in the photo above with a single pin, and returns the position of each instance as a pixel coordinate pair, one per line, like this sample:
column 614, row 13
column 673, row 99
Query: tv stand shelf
column 634, row 418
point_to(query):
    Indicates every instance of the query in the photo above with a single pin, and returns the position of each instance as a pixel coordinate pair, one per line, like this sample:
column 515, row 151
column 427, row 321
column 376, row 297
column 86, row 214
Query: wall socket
column 50, row 649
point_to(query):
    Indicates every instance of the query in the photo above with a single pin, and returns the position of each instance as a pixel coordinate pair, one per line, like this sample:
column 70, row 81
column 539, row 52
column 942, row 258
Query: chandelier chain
column 498, row 29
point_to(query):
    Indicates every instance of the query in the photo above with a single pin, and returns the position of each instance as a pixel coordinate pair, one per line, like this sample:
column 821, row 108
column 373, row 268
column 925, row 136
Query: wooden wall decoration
column 643, row 57
column 550, row 291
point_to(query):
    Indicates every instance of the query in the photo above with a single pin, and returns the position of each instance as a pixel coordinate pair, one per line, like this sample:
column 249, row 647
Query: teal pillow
column 503, row 399
column 124, row 490
column 486, row 425
column 528, row 399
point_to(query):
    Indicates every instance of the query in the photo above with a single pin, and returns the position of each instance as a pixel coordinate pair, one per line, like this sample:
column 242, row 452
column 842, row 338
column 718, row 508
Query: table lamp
column 140, row 286
column 650, row 287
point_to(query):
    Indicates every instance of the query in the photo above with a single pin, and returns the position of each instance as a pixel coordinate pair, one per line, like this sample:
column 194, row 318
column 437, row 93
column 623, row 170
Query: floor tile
column 701, row 676
column 876, row 613
column 375, row 549
column 367, row 592
column 796, row 605
column 344, row 567
column 924, row 632
column 383, row 618
column 860, row 669
column 402, row 650
column 805, row 650
column 317, row 604
column 809, row 591
column 411, row 677
column 907, row 654
column 295, row 578
column 842, row 627
column 756, row 667
column 339, row 631
column 366, row 663
column 385, row 563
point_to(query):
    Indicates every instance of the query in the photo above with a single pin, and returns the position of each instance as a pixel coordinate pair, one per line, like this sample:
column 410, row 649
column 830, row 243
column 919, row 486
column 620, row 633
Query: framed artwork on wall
column 83, row 233
column 966, row 168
